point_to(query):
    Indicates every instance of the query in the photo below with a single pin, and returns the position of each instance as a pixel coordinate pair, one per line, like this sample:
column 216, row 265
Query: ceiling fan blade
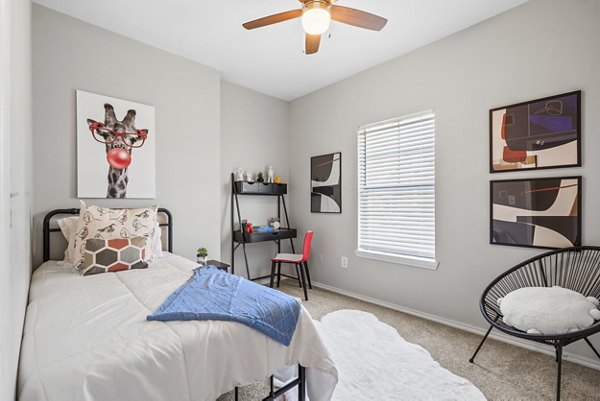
column 361, row 19
column 272, row 19
column 312, row 43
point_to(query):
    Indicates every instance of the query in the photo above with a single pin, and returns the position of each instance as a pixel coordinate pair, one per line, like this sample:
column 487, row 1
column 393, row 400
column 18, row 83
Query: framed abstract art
column 538, row 134
column 326, row 183
column 538, row 212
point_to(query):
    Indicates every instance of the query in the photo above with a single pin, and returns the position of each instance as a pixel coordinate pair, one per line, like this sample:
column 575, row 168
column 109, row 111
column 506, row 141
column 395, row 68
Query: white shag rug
column 375, row 363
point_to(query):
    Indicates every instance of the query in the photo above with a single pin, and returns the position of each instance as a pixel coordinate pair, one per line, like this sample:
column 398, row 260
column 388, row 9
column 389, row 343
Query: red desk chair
column 300, row 262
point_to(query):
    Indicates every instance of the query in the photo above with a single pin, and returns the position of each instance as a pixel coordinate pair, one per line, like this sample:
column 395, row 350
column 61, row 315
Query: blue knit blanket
column 213, row 294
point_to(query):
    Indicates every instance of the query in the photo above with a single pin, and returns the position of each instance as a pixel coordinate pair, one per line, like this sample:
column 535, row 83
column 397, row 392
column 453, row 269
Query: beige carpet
column 501, row 371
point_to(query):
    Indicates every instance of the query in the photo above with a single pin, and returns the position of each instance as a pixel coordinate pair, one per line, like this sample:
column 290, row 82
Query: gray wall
column 70, row 54
column 15, row 183
column 254, row 134
column 542, row 48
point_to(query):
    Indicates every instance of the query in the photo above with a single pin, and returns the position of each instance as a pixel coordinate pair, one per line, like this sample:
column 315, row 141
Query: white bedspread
column 87, row 338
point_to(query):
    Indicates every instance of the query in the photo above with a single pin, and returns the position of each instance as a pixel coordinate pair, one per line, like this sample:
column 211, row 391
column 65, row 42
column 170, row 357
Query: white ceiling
column 271, row 59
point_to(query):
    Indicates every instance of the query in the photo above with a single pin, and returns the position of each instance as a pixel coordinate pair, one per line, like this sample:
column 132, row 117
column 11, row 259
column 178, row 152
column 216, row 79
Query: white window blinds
column 396, row 187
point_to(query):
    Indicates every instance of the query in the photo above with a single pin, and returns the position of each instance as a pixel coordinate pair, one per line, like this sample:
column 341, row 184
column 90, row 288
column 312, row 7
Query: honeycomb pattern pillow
column 113, row 255
column 543, row 310
column 107, row 223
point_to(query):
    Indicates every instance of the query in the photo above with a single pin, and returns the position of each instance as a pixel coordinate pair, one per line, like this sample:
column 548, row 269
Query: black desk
column 240, row 239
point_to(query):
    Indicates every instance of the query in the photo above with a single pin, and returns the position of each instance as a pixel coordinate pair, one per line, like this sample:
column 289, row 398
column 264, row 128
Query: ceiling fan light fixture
column 316, row 18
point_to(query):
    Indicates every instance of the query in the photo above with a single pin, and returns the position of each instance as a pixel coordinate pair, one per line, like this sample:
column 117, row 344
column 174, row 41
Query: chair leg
column 273, row 264
column 481, row 344
column 307, row 275
column 298, row 275
column 303, row 277
column 559, row 349
column 592, row 347
column 278, row 274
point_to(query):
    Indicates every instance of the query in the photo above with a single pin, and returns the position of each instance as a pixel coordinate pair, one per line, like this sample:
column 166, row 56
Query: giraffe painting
column 117, row 141
column 120, row 137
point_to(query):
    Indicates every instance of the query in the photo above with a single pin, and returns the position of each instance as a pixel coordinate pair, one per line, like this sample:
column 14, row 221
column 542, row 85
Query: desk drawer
column 263, row 237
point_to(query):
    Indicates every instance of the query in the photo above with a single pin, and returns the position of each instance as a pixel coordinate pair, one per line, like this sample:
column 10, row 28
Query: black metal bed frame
column 47, row 229
column 575, row 268
column 300, row 381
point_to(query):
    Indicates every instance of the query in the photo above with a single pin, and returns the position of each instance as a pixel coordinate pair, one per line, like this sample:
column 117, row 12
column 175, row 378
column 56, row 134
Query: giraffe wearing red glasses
column 120, row 137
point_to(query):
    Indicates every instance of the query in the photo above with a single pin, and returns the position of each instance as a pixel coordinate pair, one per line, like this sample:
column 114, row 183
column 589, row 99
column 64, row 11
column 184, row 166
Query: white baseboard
column 495, row 334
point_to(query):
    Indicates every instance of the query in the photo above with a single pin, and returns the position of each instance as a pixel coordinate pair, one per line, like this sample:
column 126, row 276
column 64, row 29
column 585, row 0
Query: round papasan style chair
column 576, row 268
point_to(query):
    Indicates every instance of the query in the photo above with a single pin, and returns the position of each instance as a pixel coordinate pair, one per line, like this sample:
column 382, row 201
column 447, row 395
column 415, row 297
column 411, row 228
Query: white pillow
column 157, row 242
column 68, row 227
column 107, row 223
column 543, row 310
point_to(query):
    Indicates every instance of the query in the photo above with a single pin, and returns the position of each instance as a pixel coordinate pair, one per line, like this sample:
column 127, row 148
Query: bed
column 87, row 338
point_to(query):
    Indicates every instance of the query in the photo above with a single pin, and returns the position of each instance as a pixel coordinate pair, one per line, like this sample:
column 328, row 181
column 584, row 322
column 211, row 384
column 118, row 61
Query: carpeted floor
column 501, row 371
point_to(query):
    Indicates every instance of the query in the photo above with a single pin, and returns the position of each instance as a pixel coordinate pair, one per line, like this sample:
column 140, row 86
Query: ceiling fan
column 316, row 17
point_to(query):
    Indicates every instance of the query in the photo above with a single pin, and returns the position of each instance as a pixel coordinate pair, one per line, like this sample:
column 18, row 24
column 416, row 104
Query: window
column 396, row 190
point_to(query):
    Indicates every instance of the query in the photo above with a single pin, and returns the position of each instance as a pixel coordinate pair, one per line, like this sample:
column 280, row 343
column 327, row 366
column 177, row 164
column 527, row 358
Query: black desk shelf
column 259, row 188
column 245, row 188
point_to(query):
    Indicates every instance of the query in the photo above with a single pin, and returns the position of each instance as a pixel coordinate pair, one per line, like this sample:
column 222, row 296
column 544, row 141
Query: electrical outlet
column 344, row 262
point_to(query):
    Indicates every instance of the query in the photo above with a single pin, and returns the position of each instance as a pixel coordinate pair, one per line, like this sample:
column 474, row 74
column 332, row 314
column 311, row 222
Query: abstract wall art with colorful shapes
column 539, row 212
column 542, row 133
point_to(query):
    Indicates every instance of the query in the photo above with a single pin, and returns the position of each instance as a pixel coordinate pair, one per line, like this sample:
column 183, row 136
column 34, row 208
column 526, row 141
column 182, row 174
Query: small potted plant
column 259, row 177
column 202, row 255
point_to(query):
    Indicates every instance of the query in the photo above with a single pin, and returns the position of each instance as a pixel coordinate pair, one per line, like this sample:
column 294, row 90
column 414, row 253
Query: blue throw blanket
column 213, row 294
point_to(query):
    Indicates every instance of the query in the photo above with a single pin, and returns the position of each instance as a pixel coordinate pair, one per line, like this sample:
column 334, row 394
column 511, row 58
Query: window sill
column 413, row 261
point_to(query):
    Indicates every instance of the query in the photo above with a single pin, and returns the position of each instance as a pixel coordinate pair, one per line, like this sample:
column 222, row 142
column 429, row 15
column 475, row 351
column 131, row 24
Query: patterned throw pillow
column 106, row 223
column 113, row 255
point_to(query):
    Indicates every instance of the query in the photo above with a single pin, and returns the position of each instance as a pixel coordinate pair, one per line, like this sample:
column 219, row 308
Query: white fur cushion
column 543, row 310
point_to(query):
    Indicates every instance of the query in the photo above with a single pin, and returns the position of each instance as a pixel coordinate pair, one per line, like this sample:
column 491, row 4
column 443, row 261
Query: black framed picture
column 538, row 212
column 538, row 134
column 326, row 183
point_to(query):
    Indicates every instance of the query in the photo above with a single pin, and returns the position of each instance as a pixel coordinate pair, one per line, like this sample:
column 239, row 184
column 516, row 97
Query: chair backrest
column 306, row 247
column 575, row 268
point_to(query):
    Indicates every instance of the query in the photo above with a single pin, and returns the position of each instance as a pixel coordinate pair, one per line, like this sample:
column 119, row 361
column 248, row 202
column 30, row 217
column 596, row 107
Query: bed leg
column 235, row 394
column 302, row 384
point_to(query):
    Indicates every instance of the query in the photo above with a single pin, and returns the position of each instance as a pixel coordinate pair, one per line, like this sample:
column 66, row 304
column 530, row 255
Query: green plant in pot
column 202, row 255
column 259, row 177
